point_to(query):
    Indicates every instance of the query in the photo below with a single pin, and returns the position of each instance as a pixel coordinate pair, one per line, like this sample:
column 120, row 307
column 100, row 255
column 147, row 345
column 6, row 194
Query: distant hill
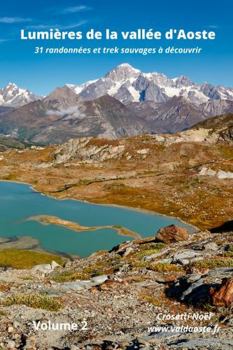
column 62, row 115
column 216, row 123
column 222, row 125
column 9, row 142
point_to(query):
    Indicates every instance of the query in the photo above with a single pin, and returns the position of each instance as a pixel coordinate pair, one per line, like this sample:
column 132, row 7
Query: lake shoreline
column 146, row 211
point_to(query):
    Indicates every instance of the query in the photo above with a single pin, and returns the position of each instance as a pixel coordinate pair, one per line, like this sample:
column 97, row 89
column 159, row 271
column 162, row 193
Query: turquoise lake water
column 19, row 201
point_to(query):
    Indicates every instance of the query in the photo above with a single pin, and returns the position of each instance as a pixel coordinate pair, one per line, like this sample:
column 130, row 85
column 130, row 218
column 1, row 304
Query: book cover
column 116, row 175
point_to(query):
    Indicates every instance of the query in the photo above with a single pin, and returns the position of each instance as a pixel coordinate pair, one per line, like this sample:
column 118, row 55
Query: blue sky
column 42, row 73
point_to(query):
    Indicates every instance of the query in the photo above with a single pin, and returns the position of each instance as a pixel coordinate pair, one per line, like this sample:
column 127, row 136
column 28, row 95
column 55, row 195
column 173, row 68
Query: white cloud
column 12, row 20
column 213, row 26
column 59, row 26
column 75, row 9
column 72, row 112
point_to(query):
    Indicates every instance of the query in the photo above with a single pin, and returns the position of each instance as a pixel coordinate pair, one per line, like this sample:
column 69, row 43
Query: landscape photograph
column 116, row 178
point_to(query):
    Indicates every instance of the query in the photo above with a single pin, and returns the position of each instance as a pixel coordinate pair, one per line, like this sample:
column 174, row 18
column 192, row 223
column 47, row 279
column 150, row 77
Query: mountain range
column 124, row 102
column 128, row 84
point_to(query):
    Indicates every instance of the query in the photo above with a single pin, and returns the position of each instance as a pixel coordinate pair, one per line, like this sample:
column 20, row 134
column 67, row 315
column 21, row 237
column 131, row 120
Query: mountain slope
column 8, row 143
column 174, row 115
column 221, row 125
column 216, row 123
column 62, row 115
column 105, row 117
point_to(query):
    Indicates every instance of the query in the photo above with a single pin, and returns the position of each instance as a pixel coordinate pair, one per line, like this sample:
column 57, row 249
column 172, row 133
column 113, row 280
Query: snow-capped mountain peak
column 182, row 81
column 129, row 84
column 13, row 96
column 78, row 88
column 123, row 72
column 10, row 85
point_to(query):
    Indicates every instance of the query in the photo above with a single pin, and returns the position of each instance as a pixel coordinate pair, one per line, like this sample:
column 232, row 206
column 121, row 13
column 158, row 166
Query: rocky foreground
column 120, row 299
